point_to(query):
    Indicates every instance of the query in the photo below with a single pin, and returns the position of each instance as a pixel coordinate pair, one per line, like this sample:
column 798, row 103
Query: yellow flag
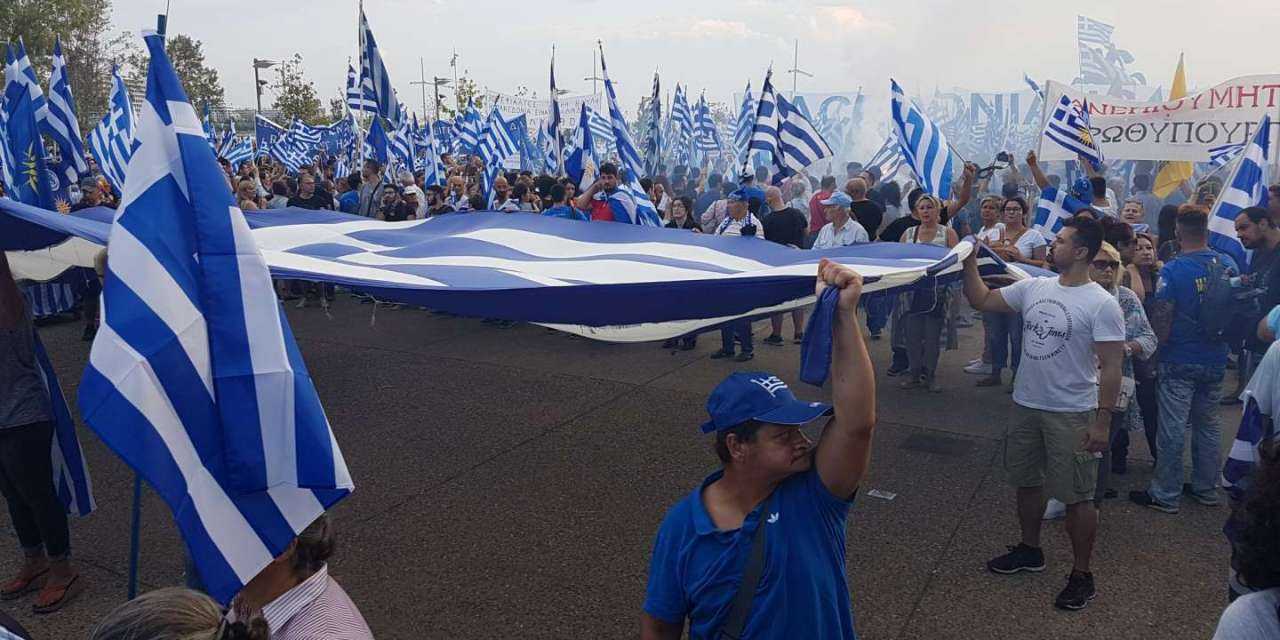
column 1173, row 174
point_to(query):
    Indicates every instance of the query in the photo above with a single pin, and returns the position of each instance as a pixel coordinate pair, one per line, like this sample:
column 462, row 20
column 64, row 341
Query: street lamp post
column 258, row 82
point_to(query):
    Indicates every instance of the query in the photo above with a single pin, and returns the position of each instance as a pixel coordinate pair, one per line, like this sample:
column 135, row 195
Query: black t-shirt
column 786, row 226
column 875, row 196
column 1266, row 267
column 439, row 209
column 868, row 214
column 895, row 230
column 399, row 212
column 320, row 199
column 688, row 224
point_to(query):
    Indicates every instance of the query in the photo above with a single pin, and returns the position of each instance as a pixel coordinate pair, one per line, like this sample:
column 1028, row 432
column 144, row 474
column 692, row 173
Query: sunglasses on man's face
column 1102, row 265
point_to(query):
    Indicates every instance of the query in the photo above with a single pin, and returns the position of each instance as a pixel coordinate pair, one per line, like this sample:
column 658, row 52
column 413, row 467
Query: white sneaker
column 1054, row 510
column 979, row 368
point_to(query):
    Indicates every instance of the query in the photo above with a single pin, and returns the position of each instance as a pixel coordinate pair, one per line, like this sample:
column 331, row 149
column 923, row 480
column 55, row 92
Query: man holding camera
column 739, row 222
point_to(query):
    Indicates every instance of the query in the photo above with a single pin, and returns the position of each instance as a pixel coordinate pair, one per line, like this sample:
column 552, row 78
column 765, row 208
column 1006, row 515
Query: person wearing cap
column 754, row 194
column 773, row 476
column 90, row 195
column 604, row 200
column 843, row 230
column 737, row 222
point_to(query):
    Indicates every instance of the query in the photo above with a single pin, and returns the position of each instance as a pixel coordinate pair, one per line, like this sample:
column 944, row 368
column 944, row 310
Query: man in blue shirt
column 773, row 476
column 560, row 207
column 1192, row 365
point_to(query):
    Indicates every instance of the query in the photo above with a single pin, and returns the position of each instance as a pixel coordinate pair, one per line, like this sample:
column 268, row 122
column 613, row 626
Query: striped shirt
column 316, row 609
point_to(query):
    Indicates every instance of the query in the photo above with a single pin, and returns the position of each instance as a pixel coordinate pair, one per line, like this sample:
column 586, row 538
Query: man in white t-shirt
column 1062, row 410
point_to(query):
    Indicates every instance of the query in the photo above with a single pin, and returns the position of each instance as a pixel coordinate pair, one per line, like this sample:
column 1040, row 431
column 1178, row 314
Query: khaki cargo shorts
column 1042, row 449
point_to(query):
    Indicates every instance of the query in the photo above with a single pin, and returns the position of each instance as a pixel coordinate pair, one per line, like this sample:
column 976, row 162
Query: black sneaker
column 896, row 371
column 1144, row 499
column 1020, row 558
column 745, row 356
column 721, row 354
column 775, row 340
column 1078, row 592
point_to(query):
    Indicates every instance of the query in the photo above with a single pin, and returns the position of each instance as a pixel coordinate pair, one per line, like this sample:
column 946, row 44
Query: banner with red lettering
column 1183, row 129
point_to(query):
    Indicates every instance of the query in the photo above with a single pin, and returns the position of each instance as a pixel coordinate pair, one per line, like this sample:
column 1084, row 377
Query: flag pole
column 135, row 535
column 360, row 130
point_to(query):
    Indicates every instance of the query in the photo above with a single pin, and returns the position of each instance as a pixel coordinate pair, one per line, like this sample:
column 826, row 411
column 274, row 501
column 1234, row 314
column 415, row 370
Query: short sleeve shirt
column 1059, row 371
column 1182, row 282
column 803, row 590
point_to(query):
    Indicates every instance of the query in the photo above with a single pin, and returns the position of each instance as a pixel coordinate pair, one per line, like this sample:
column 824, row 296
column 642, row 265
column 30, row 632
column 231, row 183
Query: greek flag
column 291, row 152
column 266, row 131
column 1055, row 206
column 746, row 118
column 583, row 152
column 374, row 79
column 402, row 146
column 550, row 155
column 644, row 212
column 469, row 129
column 359, row 96
column 434, row 171
column 70, row 472
column 1068, row 127
column 376, row 145
column 239, row 152
column 553, row 125
column 62, row 118
column 785, row 134
column 706, row 137
column 888, row 157
column 1220, row 155
column 601, row 126
column 1035, row 88
column 304, row 134
column 1090, row 35
column 496, row 140
column 194, row 378
column 24, row 107
column 1245, row 188
column 653, row 145
column 924, row 147
column 111, row 142
column 681, row 126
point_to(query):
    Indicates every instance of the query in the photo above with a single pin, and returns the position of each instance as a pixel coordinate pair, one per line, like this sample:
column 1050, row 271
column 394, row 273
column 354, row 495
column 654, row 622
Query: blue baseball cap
column 840, row 198
column 739, row 195
column 1082, row 189
column 756, row 395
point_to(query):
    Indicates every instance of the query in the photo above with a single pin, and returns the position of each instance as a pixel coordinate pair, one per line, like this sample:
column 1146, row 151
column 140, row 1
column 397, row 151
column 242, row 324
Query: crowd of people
column 1136, row 330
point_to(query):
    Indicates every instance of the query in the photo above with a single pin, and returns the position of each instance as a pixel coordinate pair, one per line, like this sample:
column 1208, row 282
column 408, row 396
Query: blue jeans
column 879, row 308
column 1188, row 397
column 739, row 328
column 1004, row 339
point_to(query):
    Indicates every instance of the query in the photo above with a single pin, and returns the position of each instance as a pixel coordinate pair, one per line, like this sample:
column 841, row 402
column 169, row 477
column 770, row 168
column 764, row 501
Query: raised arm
column 980, row 296
column 844, row 451
column 966, row 189
column 583, row 201
column 1088, row 168
column 1033, row 165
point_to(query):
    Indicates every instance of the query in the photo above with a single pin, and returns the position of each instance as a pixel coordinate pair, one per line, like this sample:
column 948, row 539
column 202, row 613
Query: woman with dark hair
column 892, row 193
column 1120, row 235
column 1256, row 557
column 681, row 216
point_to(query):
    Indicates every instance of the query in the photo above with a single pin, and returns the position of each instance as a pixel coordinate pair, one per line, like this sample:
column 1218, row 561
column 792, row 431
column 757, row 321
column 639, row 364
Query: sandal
column 64, row 594
column 20, row 586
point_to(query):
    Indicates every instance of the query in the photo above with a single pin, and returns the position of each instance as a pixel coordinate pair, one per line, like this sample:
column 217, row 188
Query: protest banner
column 1185, row 129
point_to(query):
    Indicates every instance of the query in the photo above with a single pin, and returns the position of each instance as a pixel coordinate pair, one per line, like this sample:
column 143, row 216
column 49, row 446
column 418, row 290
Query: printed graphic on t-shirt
column 1046, row 329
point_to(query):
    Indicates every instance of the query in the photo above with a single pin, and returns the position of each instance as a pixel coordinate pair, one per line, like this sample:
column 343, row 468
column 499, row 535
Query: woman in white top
column 1019, row 243
column 924, row 320
column 989, row 213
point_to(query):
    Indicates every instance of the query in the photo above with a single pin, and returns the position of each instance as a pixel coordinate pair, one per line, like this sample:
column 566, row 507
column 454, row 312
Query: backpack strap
column 741, row 604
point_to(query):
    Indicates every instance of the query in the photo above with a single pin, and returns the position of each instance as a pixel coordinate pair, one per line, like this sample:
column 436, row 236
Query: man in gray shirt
column 26, row 464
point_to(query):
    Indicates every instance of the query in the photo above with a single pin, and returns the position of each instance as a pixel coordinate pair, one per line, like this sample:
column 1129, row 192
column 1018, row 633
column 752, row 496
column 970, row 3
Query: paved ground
column 509, row 482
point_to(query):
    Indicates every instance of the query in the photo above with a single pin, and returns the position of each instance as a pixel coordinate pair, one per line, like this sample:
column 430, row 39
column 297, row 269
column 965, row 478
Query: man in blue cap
column 777, row 494
column 738, row 221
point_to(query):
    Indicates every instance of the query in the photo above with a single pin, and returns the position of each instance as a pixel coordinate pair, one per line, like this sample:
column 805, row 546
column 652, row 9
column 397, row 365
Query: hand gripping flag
column 194, row 378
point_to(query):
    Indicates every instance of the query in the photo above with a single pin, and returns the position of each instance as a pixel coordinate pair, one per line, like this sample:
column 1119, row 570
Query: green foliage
column 187, row 56
column 295, row 95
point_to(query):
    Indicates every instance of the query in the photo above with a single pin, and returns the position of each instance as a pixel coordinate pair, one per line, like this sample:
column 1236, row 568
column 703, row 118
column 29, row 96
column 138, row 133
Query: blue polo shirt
column 1182, row 282
column 803, row 591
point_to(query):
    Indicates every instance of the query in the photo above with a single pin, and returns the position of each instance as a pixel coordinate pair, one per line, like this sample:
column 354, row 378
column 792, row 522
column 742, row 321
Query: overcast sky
column 717, row 45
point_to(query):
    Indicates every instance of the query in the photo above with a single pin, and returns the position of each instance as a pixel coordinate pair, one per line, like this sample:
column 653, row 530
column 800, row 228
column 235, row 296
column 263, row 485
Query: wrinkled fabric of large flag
column 612, row 282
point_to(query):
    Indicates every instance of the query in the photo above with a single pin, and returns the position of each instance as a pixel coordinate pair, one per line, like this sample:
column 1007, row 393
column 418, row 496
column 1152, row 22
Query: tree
column 466, row 90
column 79, row 23
column 295, row 95
column 338, row 107
column 201, row 82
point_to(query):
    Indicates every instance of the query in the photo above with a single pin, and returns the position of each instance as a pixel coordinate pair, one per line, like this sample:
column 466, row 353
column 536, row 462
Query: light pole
column 439, row 82
column 258, row 82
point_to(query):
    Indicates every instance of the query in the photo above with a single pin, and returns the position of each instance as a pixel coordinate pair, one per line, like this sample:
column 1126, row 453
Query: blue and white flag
column 375, row 81
column 62, row 119
column 469, row 129
column 644, row 212
column 239, row 152
column 1221, row 155
column 496, row 142
column 70, row 471
column 360, row 97
column 582, row 156
column 554, row 125
column 305, row 135
column 681, row 127
column 924, row 147
column 1034, row 86
column 653, row 145
column 1068, row 127
column 1245, row 188
column 112, row 140
column 376, row 144
column 266, row 132
column 706, row 136
column 194, row 378
column 1055, row 206
column 24, row 105
column 615, row 282
column 402, row 147
column 746, row 119
column 785, row 135
column 433, row 168
column 888, row 157
column 601, row 127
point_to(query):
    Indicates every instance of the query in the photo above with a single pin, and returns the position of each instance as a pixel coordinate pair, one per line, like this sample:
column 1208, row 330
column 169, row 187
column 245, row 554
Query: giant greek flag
column 194, row 378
